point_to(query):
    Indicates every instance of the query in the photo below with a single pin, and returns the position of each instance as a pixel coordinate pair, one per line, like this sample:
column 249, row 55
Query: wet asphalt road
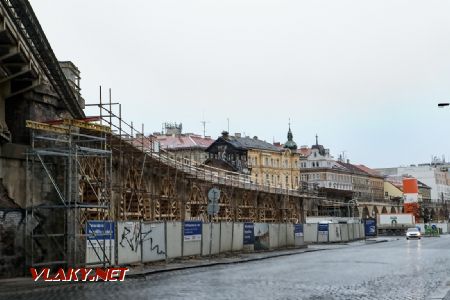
column 394, row 270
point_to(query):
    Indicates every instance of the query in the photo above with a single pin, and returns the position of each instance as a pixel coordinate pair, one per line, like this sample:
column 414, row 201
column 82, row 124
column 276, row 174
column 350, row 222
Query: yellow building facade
column 391, row 191
column 275, row 168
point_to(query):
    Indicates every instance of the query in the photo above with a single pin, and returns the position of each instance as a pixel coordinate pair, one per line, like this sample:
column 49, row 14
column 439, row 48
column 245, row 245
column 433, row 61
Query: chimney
column 225, row 135
column 348, row 161
column 237, row 134
column 255, row 137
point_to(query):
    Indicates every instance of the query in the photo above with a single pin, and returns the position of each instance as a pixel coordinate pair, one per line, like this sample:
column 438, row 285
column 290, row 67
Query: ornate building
column 265, row 163
column 339, row 181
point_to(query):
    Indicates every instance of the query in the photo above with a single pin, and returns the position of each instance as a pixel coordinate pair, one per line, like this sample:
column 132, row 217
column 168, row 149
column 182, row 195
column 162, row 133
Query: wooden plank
column 46, row 127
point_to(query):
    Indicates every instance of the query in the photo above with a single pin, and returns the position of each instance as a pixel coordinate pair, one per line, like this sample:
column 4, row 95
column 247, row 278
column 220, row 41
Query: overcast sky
column 366, row 76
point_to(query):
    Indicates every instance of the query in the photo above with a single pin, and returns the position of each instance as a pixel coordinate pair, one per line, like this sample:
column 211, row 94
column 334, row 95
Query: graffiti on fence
column 130, row 236
column 154, row 245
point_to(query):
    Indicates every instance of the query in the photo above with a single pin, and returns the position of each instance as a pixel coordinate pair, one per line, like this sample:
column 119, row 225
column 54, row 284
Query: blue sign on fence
column 298, row 230
column 323, row 228
column 99, row 231
column 249, row 234
column 370, row 227
column 192, row 231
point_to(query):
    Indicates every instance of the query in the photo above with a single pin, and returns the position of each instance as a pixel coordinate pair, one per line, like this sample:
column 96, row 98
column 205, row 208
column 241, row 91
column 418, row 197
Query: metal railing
column 128, row 133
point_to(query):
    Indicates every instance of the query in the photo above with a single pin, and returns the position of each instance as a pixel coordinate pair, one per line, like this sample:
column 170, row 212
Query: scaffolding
column 102, row 168
column 69, row 176
column 154, row 184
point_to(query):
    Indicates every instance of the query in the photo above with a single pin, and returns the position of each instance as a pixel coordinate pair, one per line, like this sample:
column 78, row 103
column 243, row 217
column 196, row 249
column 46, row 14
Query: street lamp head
column 443, row 104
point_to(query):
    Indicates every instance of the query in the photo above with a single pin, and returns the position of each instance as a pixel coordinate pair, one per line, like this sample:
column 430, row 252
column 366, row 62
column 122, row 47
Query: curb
column 244, row 260
column 240, row 261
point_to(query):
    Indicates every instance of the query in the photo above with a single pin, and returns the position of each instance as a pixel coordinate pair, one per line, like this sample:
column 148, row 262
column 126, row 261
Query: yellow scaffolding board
column 46, row 127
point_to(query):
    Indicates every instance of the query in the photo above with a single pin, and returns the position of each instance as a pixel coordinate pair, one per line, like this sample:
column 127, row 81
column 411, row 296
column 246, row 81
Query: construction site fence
column 136, row 242
column 333, row 233
column 443, row 228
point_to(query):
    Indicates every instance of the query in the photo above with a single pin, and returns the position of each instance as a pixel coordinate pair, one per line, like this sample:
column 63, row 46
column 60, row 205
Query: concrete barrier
column 238, row 233
column 129, row 242
column 334, row 233
column 174, row 239
column 153, row 237
column 226, row 232
column 206, row 231
column 310, row 233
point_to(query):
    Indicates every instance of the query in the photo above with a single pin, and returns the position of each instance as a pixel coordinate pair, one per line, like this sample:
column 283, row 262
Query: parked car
column 413, row 233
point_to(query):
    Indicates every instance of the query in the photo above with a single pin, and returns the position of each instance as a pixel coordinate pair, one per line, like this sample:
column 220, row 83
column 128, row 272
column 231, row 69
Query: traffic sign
column 213, row 201
column 214, row 194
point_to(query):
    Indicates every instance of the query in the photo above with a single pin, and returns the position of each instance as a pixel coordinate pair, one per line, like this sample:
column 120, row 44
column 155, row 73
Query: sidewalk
column 136, row 271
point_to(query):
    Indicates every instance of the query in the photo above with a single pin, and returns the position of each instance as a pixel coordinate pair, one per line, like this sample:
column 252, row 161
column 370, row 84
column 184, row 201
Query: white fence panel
column 282, row 240
column 206, row 231
column 226, row 232
column 344, row 232
column 351, row 232
column 310, row 231
column 334, row 232
column 290, row 236
column 274, row 236
column 153, row 241
column 238, row 233
column 129, row 242
column 174, row 239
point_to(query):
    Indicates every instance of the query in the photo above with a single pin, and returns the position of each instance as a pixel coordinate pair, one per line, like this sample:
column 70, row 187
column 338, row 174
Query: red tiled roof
column 183, row 141
column 304, row 151
column 368, row 170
